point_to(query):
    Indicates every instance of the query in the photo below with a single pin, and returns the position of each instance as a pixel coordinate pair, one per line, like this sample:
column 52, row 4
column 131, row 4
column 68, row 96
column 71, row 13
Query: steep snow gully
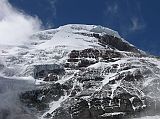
column 78, row 72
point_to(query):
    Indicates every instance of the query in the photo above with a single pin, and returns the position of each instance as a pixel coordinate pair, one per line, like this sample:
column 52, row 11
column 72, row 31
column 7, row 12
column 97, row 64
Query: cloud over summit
column 15, row 26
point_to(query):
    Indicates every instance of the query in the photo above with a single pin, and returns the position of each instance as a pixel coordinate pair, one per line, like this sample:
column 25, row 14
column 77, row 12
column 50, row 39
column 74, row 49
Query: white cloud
column 125, row 16
column 53, row 13
column 112, row 8
column 15, row 26
column 53, row 6
column 136, row 24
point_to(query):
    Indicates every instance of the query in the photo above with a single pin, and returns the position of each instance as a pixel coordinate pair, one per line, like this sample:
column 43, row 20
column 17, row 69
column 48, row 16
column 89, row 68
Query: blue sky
column 136, row 20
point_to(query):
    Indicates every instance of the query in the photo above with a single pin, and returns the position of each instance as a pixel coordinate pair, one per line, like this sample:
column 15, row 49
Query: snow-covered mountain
column 53, row 46
column 98, row 74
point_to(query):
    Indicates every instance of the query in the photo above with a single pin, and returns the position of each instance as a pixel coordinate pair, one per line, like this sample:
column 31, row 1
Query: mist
column 10, row 105
column 16, row 26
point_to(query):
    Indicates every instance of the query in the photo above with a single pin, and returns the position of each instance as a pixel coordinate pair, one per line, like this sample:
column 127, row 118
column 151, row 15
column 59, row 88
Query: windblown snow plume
column 15, row 26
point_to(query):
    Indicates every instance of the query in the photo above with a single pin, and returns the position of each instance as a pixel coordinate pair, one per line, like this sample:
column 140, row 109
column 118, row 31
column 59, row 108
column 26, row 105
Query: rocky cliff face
column 105, row 77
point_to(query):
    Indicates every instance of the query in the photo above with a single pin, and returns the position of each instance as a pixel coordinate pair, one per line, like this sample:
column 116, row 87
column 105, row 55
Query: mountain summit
column 85, row 72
